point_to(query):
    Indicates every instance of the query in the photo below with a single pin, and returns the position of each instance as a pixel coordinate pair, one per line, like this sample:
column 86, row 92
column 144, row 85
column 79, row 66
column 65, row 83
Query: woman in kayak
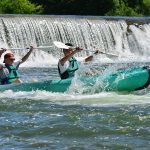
column 68, row 65
column 9, row 70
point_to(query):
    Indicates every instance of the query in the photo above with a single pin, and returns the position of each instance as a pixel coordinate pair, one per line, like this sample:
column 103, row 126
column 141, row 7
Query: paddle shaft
column 62, row 45
column 40, row 47
column 100, row 52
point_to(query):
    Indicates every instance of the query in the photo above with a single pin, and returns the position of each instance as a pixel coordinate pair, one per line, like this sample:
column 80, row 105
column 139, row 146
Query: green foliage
column 77, row 7
column 121, row 8
column 146, row 4
column 19, row 7
column 96, row 7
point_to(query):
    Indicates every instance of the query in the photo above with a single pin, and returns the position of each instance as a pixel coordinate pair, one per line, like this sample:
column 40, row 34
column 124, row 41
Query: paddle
column 62, row 45
column 43, row 48
column 40, row 47
column 109, row 54
column 56, row 43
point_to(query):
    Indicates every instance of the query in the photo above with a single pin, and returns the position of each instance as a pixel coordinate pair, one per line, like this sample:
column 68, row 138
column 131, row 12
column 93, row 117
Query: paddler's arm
column 89, row 58
column 27, row 55
column 2, row 50
column 67, row 57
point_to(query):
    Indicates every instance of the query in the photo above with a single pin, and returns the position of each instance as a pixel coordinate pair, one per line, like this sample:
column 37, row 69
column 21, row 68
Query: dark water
column 29, row 124
column 44, row 120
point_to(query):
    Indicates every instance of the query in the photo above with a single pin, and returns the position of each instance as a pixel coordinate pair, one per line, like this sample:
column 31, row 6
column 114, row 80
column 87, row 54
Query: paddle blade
column 60, row 45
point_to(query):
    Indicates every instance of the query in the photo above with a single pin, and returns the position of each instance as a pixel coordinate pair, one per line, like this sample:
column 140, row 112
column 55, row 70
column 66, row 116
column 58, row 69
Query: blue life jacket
column 73, row 66
column 11, row 76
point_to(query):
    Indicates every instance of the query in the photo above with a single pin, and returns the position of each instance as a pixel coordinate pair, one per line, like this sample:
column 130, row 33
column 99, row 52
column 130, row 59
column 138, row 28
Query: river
column 74, row 120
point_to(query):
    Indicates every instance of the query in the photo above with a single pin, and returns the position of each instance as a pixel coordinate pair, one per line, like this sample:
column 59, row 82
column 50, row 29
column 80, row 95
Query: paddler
column 9, row 69
column 68, row 65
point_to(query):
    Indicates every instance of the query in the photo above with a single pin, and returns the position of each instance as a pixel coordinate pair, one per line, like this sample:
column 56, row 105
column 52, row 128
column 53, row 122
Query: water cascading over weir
column 122, row 36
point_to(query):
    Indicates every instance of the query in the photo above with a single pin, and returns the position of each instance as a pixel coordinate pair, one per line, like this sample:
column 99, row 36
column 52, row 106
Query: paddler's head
column 9, row 58
column 69, row 50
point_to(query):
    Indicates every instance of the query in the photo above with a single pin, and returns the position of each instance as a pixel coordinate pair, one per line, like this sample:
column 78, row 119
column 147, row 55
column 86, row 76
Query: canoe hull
column 123, row 80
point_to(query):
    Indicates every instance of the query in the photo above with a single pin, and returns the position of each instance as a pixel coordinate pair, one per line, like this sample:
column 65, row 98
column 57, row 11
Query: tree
column 146, row 4
column 19, row 7
column 121, row 8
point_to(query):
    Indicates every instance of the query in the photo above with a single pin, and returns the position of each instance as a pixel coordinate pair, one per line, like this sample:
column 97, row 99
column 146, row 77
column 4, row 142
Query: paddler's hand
column 31, row 48
column 2, row 50
column 98, row 52
column 78, row 49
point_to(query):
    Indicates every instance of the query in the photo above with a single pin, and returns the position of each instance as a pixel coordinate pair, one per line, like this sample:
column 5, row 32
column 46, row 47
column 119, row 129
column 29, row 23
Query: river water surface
column 73, row 121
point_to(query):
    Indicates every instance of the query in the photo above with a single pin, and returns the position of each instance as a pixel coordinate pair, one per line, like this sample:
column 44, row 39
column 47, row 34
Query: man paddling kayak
column 9, row 70
column 68, row 65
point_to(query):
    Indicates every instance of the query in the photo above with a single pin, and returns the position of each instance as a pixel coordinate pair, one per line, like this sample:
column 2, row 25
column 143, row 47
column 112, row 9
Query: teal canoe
column 131, row 79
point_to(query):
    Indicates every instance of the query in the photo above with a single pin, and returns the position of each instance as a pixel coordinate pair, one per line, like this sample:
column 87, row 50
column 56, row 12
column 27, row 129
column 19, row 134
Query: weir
column 121, row 36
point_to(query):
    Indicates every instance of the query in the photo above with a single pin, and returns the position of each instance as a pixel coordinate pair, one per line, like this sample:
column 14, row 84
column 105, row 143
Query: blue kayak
column 130, row 79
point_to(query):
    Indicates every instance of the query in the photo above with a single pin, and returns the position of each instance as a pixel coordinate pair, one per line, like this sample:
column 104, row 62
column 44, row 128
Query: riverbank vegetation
column 77, row 7
column 20, row 7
